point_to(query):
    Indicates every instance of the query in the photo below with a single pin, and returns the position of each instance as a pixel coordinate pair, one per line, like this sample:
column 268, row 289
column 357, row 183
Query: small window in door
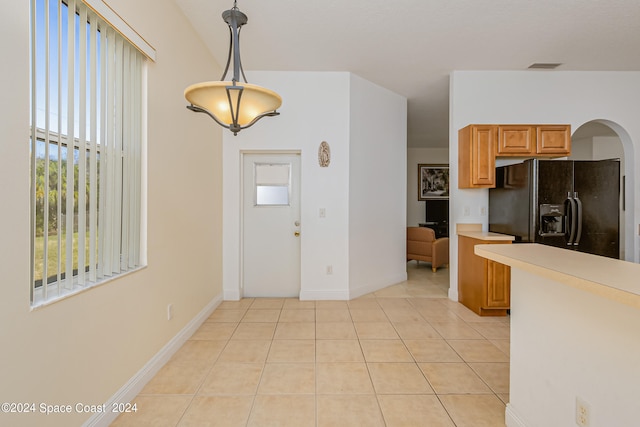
column 272, row 184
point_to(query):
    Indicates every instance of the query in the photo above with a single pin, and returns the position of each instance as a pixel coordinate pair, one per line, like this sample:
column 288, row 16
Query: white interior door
column 271, row 225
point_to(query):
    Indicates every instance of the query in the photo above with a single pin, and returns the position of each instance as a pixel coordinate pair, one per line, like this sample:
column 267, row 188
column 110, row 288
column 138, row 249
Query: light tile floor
column 403, row 356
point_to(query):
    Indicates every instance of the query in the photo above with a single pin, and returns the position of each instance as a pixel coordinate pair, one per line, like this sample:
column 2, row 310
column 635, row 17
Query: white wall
column 416, row 209
column 377, row 187
column 581, row 149
column 568, row 343
column 544, row 97
column 607, row 147
column 316, row 108
column 86, row 347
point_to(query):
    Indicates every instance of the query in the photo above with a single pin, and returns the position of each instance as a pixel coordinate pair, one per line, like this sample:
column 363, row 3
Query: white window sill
column 67, row 293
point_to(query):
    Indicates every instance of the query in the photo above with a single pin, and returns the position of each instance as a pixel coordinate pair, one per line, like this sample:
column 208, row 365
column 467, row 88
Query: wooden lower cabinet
column 484, row 286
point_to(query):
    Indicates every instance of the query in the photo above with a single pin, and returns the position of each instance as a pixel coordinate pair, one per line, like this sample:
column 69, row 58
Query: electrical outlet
column 329, row 269
column 322, row 213
column 170, row 312
column 467, row 211
column 583, row 413
column 483, row 211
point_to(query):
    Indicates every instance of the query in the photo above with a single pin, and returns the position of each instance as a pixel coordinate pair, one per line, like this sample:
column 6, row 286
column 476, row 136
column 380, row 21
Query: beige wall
column 86, row 347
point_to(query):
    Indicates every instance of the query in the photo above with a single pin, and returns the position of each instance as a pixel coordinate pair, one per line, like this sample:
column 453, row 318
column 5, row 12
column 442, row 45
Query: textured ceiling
column 411, row 46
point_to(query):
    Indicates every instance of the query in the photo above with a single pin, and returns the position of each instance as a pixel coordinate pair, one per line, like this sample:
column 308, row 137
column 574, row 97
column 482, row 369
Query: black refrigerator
column 563, row 203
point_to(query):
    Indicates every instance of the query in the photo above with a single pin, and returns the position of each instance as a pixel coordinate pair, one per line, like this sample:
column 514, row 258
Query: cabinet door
column 498, row 285
column 553, row 140
column 471, row 275
column 476, row 156
column 516, row 140
column 483, row 160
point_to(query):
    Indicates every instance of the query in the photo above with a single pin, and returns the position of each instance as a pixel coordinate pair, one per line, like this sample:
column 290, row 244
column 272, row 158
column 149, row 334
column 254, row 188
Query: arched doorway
column 604, row 139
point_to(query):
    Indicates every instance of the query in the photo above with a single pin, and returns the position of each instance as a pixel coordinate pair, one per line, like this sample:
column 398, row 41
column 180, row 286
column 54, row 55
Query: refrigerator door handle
column 570, row 220
column 578, row 205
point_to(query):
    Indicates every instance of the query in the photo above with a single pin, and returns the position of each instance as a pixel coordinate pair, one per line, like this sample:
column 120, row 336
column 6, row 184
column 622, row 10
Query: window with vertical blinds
column 85, row 146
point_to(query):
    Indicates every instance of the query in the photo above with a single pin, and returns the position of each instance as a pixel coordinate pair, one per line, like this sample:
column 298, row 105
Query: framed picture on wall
column 433, row 182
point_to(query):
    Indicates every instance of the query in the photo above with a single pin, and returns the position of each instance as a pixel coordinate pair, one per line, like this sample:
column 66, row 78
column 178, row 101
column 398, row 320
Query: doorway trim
column 232, row 233
column 631, row 248
column 241, row 189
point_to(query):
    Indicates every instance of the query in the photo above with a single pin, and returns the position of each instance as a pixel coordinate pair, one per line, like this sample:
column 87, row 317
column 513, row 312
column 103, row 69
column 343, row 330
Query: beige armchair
column 422, row 245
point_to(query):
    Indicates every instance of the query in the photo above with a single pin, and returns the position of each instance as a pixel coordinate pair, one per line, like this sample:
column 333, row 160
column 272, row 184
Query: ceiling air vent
column 544, row 66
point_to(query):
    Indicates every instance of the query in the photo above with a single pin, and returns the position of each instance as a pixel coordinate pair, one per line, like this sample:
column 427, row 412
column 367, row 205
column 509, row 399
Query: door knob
column 296, row 233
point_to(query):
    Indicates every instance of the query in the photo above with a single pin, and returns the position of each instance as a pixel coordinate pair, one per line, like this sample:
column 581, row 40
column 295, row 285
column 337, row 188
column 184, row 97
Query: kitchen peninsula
column 575, row 336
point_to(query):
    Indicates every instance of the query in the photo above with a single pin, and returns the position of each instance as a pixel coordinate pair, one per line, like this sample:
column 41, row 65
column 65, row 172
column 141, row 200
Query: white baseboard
column 348, row 294
column 367, row 289
column 511, row 417
column 337, row 295
column 132, row 388
column 453, row 294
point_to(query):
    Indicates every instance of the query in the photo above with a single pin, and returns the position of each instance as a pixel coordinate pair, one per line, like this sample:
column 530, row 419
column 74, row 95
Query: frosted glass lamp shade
column 255, row 101
column 232, row 104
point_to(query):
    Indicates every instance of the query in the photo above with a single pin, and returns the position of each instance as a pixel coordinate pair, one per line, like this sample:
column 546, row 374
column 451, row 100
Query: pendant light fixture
column 234, row 105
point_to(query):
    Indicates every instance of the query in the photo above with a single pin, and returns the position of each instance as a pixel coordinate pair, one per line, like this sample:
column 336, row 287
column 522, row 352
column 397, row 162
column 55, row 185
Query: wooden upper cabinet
column 476, row 156
column 533, row 140
column 516, row 140
column 553, row 140
column 479, row 145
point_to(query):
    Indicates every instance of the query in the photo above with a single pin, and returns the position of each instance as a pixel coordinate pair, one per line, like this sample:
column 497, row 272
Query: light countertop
column 609, row 278
column 485, row 235
column 474, row 231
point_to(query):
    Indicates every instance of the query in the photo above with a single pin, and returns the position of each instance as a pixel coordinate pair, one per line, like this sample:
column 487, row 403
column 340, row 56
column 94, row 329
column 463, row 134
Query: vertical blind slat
column 47, row 137
column 82, row 148
column 59, row 162
column 93, row 150
column 126, row 138
column 32, row 160
column 117, row 184
column 104, row 77
column 71, row 9
column 111, row 164
column 136, row 160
